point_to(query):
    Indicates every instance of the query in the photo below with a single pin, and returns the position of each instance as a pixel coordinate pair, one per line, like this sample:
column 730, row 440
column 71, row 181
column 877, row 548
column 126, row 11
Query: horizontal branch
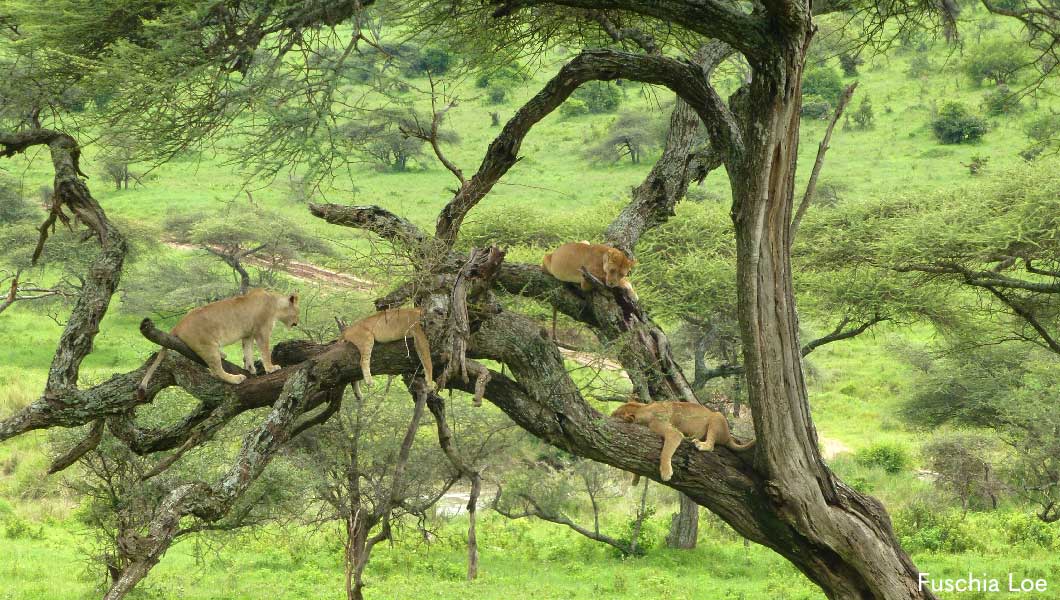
column 378, row 220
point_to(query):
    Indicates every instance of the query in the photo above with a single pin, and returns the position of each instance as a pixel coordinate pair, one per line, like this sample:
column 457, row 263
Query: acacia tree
column 783, row 496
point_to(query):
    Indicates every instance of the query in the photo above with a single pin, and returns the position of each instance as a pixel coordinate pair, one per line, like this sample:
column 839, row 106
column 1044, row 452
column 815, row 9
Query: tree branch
column 683, row 77
column 811, row 185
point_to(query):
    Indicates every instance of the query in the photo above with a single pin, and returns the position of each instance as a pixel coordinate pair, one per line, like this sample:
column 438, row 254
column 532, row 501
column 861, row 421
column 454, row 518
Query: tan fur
column 607, row 264
column 249, row 318
column 390, row 326
column 675, row 420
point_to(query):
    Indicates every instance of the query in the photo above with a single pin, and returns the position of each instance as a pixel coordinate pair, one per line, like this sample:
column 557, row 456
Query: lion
column 673, row 421
column 390, row 326
column 607, row 264
column 249, row 318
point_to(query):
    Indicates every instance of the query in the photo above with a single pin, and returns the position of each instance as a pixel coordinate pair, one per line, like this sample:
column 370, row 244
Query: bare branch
column 811, row 185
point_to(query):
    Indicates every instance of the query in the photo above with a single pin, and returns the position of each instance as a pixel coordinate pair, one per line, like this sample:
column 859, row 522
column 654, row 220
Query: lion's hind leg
column 212, row 356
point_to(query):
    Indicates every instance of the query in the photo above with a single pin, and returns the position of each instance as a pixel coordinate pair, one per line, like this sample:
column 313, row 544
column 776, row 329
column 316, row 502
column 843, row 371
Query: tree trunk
column 684, row 525
column 849, row 546
column 356, row 536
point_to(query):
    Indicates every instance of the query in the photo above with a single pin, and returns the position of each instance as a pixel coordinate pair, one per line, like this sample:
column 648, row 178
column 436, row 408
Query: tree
column 997, row 62
column 365, row 474
column 784, row 497
column 630, row 134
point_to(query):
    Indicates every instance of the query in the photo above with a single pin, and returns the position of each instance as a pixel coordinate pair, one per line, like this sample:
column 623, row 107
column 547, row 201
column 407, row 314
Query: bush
column 824, row 82
column 599, row 97
column 1023, row 529
column 998, row 62
column 921, row 526
column 573, row 107
column 507, row 76
column 889, row 457
column 1043, row 128
column 497, row 94
column 863, row 117
column 431, row 60
column 815, row 107
column 920, row 66
column 13, row 207
column 954, row 124
column 850, row 63
column 1001, row 101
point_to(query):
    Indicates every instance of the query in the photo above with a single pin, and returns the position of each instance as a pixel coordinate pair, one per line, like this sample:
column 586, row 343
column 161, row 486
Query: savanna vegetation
column 889, row 171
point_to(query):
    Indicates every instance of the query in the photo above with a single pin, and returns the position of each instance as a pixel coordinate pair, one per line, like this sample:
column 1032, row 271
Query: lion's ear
column 628, row 417
column 293, row 299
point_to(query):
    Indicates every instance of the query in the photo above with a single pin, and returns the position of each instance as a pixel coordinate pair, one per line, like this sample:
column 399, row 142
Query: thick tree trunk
column 849, row 547
column 684, row 525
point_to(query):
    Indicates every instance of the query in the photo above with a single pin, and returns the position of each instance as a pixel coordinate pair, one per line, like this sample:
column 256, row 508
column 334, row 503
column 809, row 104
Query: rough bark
column 684, row 525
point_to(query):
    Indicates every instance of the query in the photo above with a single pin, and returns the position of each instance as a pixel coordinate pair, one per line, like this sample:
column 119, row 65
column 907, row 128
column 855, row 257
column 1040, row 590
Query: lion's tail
column 734, row 445
column 142, row 389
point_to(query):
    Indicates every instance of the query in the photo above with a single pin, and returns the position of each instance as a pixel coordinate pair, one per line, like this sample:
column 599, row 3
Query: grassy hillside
column 857, row 386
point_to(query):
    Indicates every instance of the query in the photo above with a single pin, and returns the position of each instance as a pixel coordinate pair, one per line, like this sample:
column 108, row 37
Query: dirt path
column 303, row 271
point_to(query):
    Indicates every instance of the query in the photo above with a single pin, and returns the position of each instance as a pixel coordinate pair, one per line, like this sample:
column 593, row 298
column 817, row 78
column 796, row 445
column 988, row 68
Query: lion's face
column 616, row 267
column 627, row 412
column 288, row 313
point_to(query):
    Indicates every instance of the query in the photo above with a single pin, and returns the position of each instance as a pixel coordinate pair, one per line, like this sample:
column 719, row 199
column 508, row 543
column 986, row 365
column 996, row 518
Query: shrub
column 497, row 94
column 508, row 75
column 1001, row 101
column 815, row 107
column 1024, row 529
column 13, row 207
column 889, row 457
column 573, row 107
column 863, row 117
column 850, row 63
column 824, row 82
column 998, row 62
column 954, row 124
column 920, row 66
column 599, row 97
column 921, row 526
column 1043, row 127
column 430, row 60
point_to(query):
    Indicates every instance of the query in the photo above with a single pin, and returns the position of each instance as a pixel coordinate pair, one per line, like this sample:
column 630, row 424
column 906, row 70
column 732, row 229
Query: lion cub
column 673, row 421
column 390, row 326
column 607, row 264
column 249, row 318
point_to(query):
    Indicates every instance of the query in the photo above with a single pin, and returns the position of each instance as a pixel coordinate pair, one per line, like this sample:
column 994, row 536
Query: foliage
column 1043, row 128
column 630, row 134
column 920, row 65
column 13, row 207
column 996, row 61
column 598, row 96
column 955, row 124
column 863, row 117
column 963, row 467
column 433, row 61
column 823, row 81
column 1001, row 101
column 891, row 458
column 815, row 107
column 922, row 526
column 505, row 76
column 850, row 63
column 574, row 107
column 382, row 137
